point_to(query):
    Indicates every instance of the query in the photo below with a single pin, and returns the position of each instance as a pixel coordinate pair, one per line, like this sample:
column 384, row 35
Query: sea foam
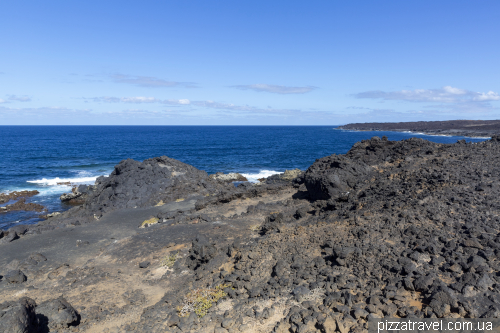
column 57, row 181
column 253, row 177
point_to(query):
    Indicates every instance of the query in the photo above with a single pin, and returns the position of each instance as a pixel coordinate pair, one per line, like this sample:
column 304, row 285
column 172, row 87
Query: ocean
column 40, row 157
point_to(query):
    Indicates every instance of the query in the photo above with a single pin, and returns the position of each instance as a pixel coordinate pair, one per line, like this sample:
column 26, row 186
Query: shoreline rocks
column 21, row 204
column 6, row 197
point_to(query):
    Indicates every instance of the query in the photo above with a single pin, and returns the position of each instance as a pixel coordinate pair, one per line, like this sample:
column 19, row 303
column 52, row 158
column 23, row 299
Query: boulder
column 15, row 276
column 9, row 237
column 56, row 314
column 18, row 316
column 19, row 229
column 78, row 195
column 38, row 257
column 332, row 177
column 142, row 184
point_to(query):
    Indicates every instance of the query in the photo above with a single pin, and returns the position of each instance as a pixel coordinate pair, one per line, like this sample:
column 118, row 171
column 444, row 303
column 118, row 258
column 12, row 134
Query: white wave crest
column 57, row 181
column 253, row 177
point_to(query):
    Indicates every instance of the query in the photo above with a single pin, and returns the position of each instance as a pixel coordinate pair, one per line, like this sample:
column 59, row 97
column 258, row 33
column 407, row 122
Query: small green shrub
column 169, row 260
column 255, row 227
column 201, row 300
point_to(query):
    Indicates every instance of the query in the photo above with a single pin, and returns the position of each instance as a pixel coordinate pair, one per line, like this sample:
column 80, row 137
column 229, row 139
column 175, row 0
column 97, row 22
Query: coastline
column 405, row 229
column 420, row 132
column 465, row 128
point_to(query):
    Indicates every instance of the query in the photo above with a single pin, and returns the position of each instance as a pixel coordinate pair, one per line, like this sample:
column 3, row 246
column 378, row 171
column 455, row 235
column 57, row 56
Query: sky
column 247, row 62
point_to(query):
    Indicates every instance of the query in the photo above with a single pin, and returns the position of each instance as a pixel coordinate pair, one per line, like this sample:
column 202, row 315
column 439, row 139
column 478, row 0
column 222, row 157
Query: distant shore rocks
column 229, row 177
column 6, row 197
column 469, row 128
column 21, row 204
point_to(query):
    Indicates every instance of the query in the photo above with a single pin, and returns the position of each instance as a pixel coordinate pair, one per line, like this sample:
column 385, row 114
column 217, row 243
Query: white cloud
column 446, row 94
column 138, row 99
column 176, row 101
column 271, row 88
column 248, row 109
column 2, row 101
column 148, row 81
column 19, row 98
column 489, row 96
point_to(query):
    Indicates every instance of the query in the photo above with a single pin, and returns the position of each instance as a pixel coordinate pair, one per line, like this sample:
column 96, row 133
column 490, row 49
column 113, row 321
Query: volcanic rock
column 56, row 314
column 18, row 316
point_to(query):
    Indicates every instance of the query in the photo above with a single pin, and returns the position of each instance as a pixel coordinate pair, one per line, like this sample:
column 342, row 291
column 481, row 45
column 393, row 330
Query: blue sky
column 247, row 62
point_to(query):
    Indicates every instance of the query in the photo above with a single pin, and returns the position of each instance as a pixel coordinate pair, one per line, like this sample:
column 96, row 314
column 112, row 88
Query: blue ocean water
column 39, row 157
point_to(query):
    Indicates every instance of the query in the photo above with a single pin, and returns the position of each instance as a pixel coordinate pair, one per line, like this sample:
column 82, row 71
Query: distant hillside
column 471, row 128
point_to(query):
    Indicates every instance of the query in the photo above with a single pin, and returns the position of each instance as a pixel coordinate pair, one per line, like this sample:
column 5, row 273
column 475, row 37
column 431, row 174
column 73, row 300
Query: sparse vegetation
column 149, row 222
column 255, row 227
column 201, row 300
column 169, row 260
column 179, row 200
column 161, row 203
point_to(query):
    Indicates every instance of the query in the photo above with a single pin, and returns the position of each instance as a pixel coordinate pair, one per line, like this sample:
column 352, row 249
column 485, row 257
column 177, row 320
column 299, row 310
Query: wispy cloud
column 137, row 100
column 246, row 108
column 271, row 88
column 446, row 94
column 42, row 112
column 109, row 99
column 2, row 101
column 19, row 98
column 446, row 100
column 148, row 81
column 186, row 102
column 176, row 101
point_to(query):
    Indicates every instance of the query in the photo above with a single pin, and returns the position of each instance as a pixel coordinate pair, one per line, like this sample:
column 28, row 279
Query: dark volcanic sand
column 469, row 128
column 406, row 229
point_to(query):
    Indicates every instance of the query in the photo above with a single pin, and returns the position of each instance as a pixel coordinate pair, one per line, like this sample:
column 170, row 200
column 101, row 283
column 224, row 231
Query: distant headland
column 469, row 128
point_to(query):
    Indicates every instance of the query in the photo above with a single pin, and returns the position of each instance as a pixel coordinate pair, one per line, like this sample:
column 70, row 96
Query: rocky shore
column 468, row 128
column 391, row 229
